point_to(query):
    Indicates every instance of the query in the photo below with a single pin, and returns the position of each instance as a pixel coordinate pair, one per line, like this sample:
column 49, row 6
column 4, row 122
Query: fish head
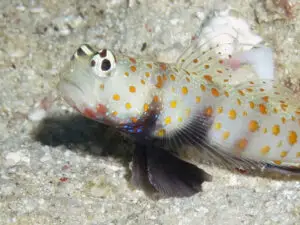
column 104, row 86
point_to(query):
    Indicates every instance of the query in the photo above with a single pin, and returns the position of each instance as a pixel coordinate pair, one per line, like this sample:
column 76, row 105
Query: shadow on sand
column 158, row 173
column 153, row 170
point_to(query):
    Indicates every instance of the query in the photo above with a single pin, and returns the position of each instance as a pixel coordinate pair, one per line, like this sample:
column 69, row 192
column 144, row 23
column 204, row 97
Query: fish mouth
column 75, row 96
column 71, row 92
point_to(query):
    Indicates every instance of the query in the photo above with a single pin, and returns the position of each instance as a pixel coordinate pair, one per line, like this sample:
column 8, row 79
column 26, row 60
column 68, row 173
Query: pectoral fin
column 157, row 171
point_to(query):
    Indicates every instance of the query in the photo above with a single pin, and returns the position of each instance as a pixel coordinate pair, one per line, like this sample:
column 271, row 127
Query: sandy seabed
column 69, row 170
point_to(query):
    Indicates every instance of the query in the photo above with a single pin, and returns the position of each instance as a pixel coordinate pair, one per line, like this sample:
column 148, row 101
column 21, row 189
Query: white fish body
column 192, row 101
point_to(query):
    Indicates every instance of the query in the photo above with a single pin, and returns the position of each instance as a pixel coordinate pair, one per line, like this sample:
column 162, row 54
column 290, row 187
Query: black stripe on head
column 84, row 50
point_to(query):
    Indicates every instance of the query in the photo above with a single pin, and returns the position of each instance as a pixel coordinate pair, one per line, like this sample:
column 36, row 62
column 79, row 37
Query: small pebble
column 37, row 114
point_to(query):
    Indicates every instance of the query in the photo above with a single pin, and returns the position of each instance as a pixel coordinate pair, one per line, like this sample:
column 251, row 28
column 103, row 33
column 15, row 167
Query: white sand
column 42, row 182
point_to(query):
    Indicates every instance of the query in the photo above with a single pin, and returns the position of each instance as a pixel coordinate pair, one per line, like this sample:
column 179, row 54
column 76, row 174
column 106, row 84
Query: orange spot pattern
column 265, row 98
column 168, row 120
column 215, row 92
column 203, row 88
column 116, row 97
column 173, row 78
column 173, row 104
column 283, row 154
column 208, row 78
column 292, row 138
column 146, row 107
column 226, row 135
column 161, row 132
column 276, row 129
column 132, row 89
column 242, row 144
column 241, row 93
column 220, row 110
column 128, row 105
column 263, row 109
column 184, row 90
column 133, row 68
column 156, row 98
column 253, row 126
column 265, row 150
column 159, row 83
column 134, row 119
column 232, row 114
column 277, row 162
column 208, row 111
column 218, row 126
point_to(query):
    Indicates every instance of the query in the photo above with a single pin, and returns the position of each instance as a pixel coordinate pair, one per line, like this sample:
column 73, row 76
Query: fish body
column 189, row 102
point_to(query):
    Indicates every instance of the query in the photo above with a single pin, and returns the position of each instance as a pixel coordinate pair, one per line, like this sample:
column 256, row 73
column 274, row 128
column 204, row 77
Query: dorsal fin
column 221, row 60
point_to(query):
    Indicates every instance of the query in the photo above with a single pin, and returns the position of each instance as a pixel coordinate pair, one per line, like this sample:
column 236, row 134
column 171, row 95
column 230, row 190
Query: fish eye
column 105, row 65
column 103, row 62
